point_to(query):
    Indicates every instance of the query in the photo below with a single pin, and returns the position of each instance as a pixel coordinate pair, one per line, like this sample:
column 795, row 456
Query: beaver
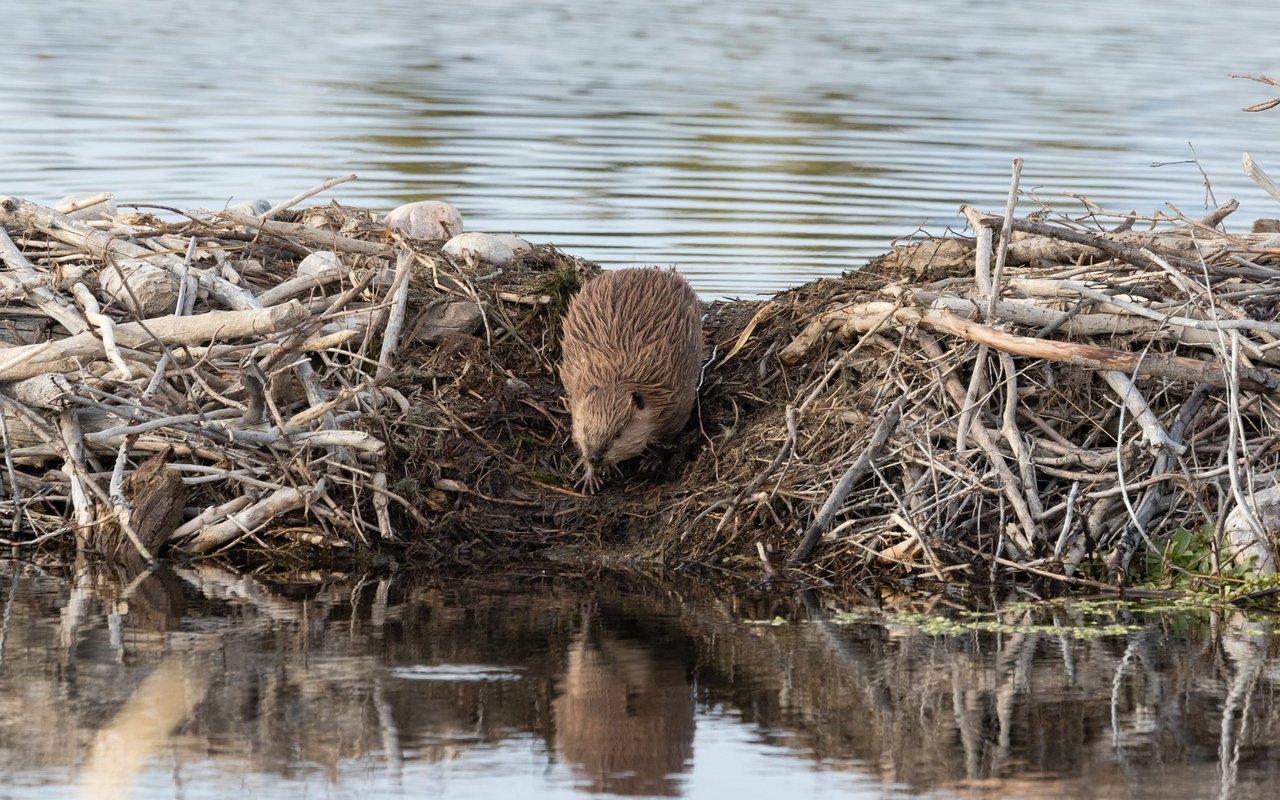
column 631, row 357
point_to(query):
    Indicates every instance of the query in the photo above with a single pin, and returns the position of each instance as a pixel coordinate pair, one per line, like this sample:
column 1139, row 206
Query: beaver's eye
column 593, row 387
column 637, row 400
column 617, row 436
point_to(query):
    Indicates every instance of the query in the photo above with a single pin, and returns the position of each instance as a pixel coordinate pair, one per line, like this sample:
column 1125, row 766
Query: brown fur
column 630, row 333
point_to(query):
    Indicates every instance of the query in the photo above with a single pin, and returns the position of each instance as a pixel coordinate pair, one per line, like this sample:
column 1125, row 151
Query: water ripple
column 754, row 144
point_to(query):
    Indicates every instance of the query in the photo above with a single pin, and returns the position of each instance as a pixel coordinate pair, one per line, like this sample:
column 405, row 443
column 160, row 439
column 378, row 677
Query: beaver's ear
column 637, row 400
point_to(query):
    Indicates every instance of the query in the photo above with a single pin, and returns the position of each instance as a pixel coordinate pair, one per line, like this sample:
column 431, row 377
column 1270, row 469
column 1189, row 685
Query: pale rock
column 425, row 219
column 252, row 207
column 1247, row 543
column 318, row 262
column 492, row 248
column 449, row 317
column 104, row 210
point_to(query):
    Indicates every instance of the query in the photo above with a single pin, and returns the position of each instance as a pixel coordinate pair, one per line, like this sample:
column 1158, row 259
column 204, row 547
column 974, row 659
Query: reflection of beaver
column 624, row 717
column 632, row 354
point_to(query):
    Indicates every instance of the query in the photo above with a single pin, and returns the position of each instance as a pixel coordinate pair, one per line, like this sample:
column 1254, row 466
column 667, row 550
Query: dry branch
column 862, row 317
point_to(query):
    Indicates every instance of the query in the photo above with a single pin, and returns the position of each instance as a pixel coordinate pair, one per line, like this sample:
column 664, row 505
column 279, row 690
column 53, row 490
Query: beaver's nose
column 595, row 458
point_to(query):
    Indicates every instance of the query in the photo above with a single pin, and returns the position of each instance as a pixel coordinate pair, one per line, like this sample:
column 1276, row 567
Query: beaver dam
column 1085, row 399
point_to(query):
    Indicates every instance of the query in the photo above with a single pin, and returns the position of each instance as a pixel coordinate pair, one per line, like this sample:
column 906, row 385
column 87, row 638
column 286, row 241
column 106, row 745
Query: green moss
column 561, row 284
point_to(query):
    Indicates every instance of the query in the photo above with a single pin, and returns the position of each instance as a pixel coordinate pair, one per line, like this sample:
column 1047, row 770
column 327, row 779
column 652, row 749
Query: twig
column 399, row 292
column 315, row 190
column 83, row 203
column 250, row 518
column 1155, row 434
column 15, row 491
column 982, row 274
column 1003, row 251
column 106, row 328
column 1259, row 176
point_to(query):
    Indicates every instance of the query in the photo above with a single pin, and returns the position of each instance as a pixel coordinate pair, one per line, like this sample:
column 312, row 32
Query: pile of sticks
column 1046, row 397
column 236, row 351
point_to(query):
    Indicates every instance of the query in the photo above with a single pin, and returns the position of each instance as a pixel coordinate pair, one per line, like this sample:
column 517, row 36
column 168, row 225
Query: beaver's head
column 613, row 422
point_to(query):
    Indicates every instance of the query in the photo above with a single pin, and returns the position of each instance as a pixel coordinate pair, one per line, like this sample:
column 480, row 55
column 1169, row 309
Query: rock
column 492, row 248
column 446, row 318
column 425, row 219
column 519, row 387
column 1245, row 543
column 103, row 210
column 255, row 207
column 319, row 261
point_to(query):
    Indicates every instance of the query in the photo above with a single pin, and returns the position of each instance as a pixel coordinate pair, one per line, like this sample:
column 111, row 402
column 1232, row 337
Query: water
column 198, row 683
column 754, row 144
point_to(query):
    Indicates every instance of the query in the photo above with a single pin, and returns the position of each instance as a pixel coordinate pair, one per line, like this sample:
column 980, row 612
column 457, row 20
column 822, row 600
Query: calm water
column 754, row 144
column 198, row 683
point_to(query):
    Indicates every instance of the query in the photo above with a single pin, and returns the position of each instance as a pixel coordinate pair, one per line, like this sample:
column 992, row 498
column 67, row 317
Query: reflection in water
column 138, row 730
column 624, row 717
column 202, row 683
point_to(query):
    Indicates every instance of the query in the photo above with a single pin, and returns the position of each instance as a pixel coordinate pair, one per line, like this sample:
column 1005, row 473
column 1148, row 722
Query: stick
column 1259, row 176
column 1009, row 429
column 381, row 507
column 122, row 511
column 315, row 236
column 1155, row 434
column 83, row 203
column 982, row 274
column 399, row 303
column 210, row 516
column 73, row 455
column 15, row 491
column 1003, row 251
column 302, row 283
column 105, row 326
column 292, row 201
column 1124, row 252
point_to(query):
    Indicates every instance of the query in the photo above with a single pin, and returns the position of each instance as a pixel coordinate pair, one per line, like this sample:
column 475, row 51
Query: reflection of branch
column 391, row 749
column 142, row 726
column 219, row 584
column 1248, row 666
column 8, row 607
